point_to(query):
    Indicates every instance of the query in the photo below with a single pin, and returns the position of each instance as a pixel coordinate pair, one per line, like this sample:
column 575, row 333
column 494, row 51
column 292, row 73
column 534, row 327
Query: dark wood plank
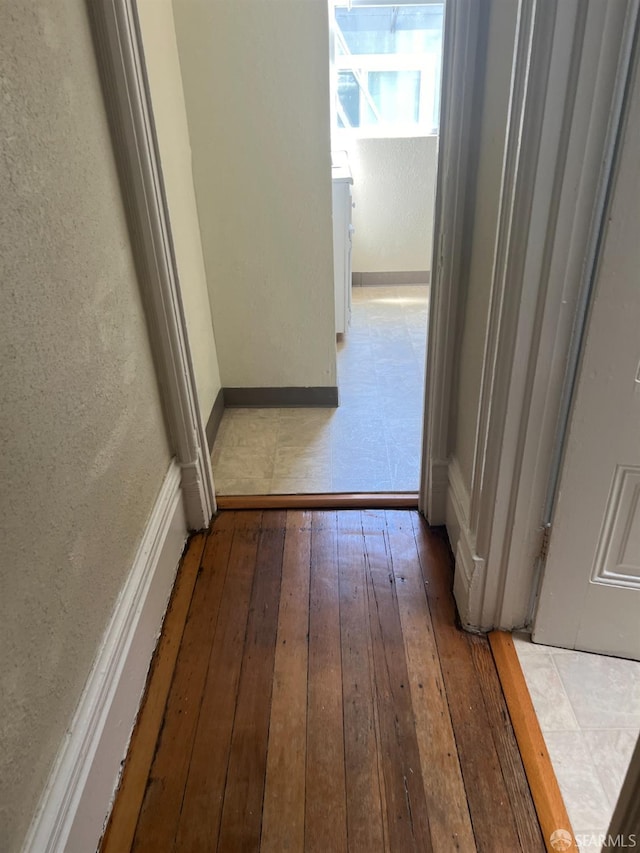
column 364, row 804
column 407, row 817
column 325, row 811
column 449, row 819
column 284, row 796
column 126, row 810
column 242, row 809
column 491, row 812
column 506, row 746
column 160, row 810
column 201, row 803
column 550, row 810
column 321, row 682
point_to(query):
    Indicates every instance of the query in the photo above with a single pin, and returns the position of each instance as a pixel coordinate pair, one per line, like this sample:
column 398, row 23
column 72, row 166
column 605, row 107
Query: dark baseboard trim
column 215, row 417
column 377, row 279
column 262, row 398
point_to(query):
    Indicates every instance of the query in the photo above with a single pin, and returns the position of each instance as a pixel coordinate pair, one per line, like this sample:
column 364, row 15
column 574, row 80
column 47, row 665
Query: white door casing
column 121, row 65
column 460, row 40
column 590, row 592
column 573, row 165
column 563, row 80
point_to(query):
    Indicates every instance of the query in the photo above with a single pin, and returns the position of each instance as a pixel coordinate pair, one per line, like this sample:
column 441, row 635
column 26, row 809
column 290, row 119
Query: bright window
column 386, row 68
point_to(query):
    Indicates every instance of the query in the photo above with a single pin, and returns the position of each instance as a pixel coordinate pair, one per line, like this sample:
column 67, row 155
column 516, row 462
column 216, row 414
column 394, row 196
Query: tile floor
column 588, row 707
column 371, row 442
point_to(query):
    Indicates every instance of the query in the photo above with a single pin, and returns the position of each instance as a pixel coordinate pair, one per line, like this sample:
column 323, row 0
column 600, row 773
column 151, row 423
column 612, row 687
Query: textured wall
column 165, row 81
column 501, row 34
column 82, row 441
column 394, row 193
column 256, row 83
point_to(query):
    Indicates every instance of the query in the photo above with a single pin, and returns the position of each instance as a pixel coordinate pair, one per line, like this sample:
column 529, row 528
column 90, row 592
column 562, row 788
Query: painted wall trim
column 120, row 61
column 562, row 89
column 326, row 396
column 78, row 796
column 461, row 30
column 375, row 279
column 469, row 567
column 213, row 421
column 521, row 180
column 439, row 483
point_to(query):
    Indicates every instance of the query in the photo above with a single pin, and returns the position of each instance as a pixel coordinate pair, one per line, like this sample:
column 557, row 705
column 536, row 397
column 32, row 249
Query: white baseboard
column 78, row 796
column 468, row 581
column 438, row 487
column 457, row 503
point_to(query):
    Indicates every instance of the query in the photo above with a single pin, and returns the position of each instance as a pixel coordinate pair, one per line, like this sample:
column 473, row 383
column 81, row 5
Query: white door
column 590, row 594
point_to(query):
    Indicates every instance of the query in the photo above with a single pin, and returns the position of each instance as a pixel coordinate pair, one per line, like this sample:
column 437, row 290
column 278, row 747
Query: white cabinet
column 342, row 234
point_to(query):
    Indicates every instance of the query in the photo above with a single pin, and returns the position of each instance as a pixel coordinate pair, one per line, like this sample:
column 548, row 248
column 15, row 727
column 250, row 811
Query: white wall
column 494, row 91
column 393, row 190
column 165, row 82
column 83, row 449
column 256, row 82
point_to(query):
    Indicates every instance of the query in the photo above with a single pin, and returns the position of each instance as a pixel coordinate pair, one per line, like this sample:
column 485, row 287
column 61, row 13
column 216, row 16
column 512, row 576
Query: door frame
column 120, row 57
column 564, row 76
column 459, row 66
column 623, row 84
column 496, row 528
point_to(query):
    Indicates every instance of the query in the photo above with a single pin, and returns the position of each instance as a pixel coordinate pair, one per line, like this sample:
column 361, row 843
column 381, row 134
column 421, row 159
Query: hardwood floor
column 324, row 699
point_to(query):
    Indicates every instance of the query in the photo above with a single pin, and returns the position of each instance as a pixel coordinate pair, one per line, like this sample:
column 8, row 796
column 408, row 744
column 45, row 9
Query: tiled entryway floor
column 371, row 442
column 588, row 707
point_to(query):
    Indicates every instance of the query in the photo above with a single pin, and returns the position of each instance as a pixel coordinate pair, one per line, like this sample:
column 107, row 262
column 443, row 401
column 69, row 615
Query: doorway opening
column 385, row 72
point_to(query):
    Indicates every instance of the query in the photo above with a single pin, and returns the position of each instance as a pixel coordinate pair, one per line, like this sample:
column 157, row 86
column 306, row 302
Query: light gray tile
column 405, row 427
column 251, row 414
column 389, row 333
column 604, row 691
column 300, row 463
column 351, row 396
column 247, row 432
column 611, row 751
column 400, row 354
column 295, row 416
column 579, row 783
column 357, row 377
column 300, row 485
column 360, row 481
column 550, row 701
column 215, row 454
column 359, row 409
column 350, row 429
column 404, row 465
column 365, row 454
column 361, row 474
column 404, row 445
column 397, row 406
column 405, row 481
column 307, row 434
column 406, row 389
column 241, row 486
column 243, row 463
